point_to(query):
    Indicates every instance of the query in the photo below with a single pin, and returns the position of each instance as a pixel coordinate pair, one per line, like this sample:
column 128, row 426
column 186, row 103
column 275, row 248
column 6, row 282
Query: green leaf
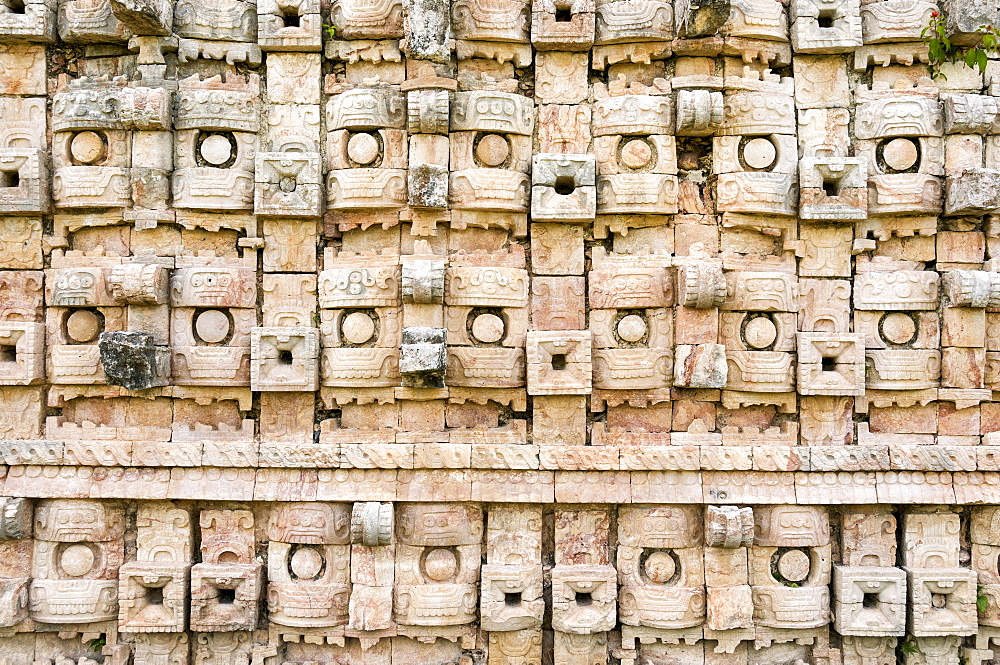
column 982, row 60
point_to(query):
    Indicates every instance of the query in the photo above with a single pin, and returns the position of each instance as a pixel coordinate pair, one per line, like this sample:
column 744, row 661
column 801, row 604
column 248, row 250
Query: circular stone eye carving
column 88, row 148
column 488, row 328
column 212, row 326
column 898, row 155
column 306, row 563
column 758, row 154
column 759, row 332
column 660, row 567
column 77, row 560
column 440, row 565
column 898, row 328
column 216, row 149
column 363, row 148
column 794, row 566
column 492, row 150
column 632, row 328
column 358, row 328
column 636, row 153
column 84, row 325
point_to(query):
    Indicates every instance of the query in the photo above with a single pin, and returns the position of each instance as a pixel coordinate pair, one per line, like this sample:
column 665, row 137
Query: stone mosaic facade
column 498, row 332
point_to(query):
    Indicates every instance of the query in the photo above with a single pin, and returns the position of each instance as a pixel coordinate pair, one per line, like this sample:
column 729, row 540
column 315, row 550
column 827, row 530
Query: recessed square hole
column 825, row 19
column 870, row 600
column 8, row 354
column 15, row 6
column 284, row 357
column 559, row 361
column 10, row 179
column 291, row 18
column 227, row 596
column 831, row 188
column 563, row 15
column 565, row 185
column 584, row 599
column 512, row 599
column 829, row 364
column 154, row 595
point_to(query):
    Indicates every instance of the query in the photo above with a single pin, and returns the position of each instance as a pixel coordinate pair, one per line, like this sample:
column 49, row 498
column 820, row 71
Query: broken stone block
column 145, row 17
column 971, row 288
column 972, row 192
column 371, row 523
column 700, row 366
column 132, row 360
column 423, row 357
column 728, row 526
column 427, row 29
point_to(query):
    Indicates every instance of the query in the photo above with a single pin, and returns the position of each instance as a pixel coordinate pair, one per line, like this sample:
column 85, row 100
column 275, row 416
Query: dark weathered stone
column 964, row 18
column 428, row 186
column 704, row 18
column 15, row 518
column 427, row 25
column 145, row 17
column 131, row 360
column 972, row 192
column 422, row 357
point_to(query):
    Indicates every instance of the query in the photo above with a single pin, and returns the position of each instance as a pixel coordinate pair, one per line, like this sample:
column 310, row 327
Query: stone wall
column 498, row 332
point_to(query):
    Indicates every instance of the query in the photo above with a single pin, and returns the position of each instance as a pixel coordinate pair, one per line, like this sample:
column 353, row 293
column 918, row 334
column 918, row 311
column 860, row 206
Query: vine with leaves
column 941, row 49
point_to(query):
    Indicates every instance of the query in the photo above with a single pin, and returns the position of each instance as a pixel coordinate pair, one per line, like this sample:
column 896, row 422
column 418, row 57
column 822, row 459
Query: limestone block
column 422, row 359
column 830, row 364
column 942, row 602
column 728, row 526
column 898, row 290
column 760, row 371
column 287, row 184
column 133, row 361
column 22, row 353
column 557, row 303
column 964, row 19
column 564, row 128
column 584, row 598
column 701, row 366
column 553, row 30
column 825, row 27
column 931, row 540
column 868, row 538
column 764, row 20
column 563, row 187
column 615, row 22
column 729, row 608
column 556, row 249
column 877, row 118
column 231, row 21
column 428, row 177
column 884, row 22
column 699, row 112
column 559, row 362
column 37, row 23
column 423, row 280
column 561, row 77
column 963, row 367
column 511, row 597
column 292, row 26
column 870, row 600
column 971, row 192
